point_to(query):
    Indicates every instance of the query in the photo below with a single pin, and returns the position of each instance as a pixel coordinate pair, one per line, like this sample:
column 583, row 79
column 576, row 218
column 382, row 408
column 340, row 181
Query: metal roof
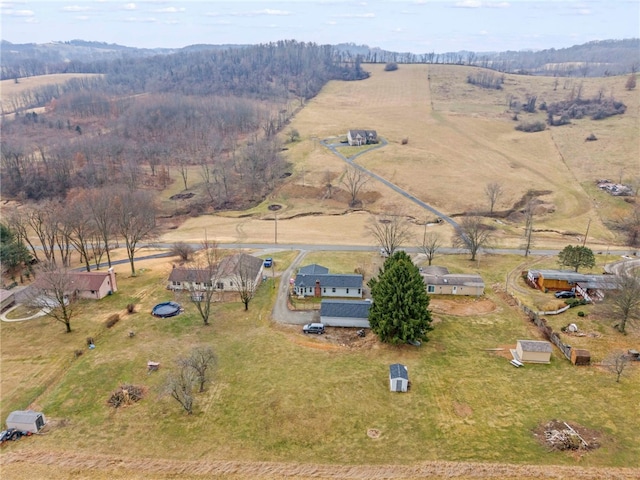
column 459, row 279
column 397, row 370
column 345, row 308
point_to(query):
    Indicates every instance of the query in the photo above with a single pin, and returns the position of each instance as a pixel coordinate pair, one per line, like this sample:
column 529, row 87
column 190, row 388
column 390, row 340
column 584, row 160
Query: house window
column 333, row 289
column 324, row 290
column 347, row 290
column 208, row 284
column 220, row 285
column 359, row 292
column 93, row 292
column 431, row 289
column 231, row 284
column 175, row 283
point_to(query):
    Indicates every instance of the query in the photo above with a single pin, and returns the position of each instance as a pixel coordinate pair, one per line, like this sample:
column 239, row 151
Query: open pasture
column 279, row 397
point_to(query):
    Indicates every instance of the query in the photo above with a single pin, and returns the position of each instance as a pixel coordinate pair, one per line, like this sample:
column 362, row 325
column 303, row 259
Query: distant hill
column 598, row 58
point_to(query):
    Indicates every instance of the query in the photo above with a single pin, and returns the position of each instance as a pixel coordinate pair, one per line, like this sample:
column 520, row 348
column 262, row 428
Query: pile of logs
column 126, row 395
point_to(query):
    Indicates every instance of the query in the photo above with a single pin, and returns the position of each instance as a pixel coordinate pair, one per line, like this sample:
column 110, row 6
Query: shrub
column 581, row 313
column 131, row 308
column 405, row 141
column 78, row 353
column 390, row 67
column 531, row 127
column 591, row 138
column 112, row 320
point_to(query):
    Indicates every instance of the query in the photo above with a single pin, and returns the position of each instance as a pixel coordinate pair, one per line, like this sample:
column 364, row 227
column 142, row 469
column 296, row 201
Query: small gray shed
column 27, row 420
column 398, row 378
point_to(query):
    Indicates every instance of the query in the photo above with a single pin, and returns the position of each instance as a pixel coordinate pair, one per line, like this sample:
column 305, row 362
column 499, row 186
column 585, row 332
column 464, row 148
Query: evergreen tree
column 14, row 255
column 576, row 257
column 399, row 313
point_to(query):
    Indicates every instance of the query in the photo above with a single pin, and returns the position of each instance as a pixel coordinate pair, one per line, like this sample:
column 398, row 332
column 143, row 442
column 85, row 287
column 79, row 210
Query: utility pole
column 275, row 216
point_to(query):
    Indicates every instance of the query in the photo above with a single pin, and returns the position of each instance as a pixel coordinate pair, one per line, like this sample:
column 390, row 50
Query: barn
column 398, row 378
column 26, row 420
column 532, row 351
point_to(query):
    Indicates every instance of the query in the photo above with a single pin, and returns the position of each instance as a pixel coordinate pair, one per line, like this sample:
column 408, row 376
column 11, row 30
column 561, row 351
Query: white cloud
column 252, row 13
column 171, row 10
column 82, row 17
column 355, row 15
column 129, row 6
column 479, row 4
column 20, row 13
column 584, row 11
column 469, row 4
column 141, row 20
column 75, row 8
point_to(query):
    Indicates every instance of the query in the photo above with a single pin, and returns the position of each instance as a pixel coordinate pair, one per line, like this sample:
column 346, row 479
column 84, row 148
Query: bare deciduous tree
column 206, row 266
column 244, row 280
column 200, row 360
column 472, row 235
column 135, row 219
column 354, row 179
column 180, row 386
column 493, row 191
column 390, row 231
column 182, row 250
column 431, row 243
column 54, row 291
column 623, row 303
column 616, row 363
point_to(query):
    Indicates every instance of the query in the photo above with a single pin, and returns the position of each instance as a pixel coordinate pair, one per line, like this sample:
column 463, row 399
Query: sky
column 417, row 26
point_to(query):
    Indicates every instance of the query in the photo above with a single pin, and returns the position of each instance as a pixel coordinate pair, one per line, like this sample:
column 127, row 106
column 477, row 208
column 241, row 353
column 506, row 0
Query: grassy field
column 283, row 405
column 461, row 137
column 280, row 397
column 11, row 90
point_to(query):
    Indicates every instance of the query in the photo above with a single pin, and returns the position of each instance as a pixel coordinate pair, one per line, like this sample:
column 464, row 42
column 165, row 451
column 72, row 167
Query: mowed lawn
column 279, row 396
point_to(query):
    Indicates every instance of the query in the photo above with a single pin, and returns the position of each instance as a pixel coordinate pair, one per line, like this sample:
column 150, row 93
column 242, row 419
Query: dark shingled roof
column 345, row 308
column 313, row 269
column 330, row 280
column 397, row 370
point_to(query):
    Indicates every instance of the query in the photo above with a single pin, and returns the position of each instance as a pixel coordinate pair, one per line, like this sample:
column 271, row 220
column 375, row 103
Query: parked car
column 268, row 262
column 565, row 294
column 313, row 328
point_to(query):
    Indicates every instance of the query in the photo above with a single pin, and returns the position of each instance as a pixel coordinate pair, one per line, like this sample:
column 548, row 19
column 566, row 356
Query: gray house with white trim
column 345, row 313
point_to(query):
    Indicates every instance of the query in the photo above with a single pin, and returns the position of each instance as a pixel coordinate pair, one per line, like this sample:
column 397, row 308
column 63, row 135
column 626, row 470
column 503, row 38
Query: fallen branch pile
column 126, row 395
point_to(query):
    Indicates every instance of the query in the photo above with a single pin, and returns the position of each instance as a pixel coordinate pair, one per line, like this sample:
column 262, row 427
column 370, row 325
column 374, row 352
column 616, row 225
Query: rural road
column 350, row 160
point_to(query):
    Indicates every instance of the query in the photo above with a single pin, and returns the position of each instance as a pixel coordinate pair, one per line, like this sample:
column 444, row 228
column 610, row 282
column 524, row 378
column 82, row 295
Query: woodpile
column 561, row 436
column 126, row 395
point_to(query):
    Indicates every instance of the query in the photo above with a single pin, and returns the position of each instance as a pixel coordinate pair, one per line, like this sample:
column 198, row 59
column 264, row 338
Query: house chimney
column 316, row 292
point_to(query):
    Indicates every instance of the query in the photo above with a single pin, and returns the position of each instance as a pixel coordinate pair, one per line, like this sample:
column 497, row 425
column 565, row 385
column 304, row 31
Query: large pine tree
column 400, row 310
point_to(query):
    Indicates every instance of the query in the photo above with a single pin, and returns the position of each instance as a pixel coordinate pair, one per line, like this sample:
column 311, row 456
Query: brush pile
column 126, row 395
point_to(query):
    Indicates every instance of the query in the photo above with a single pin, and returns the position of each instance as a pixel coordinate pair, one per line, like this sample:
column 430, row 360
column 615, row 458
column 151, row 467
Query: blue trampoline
column 166, row 309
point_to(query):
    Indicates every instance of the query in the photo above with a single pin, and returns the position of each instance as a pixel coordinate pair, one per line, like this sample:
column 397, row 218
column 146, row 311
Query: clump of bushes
column 126, row 395
column 591, row 138
column 112, row 320
column 486, row 80
column 531, row 127
column 405, row 141
column 596, row 108
column 131, row 308
column 390, row 67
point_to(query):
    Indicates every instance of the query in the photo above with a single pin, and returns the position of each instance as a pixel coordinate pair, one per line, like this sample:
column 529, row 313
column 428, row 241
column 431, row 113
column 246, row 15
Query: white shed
column 533, row 351
column 398, row 378
column 27, row 420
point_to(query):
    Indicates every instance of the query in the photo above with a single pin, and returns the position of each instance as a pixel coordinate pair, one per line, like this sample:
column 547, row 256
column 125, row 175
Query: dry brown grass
column 12, row 90
column 461, row 138
column 66, row 465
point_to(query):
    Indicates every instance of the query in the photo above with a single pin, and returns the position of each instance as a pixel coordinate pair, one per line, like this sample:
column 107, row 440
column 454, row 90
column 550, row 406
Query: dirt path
column 27, row 464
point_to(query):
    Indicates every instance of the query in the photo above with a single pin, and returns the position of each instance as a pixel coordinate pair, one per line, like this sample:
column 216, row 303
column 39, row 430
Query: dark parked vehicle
column 565, row 294
column 313, row 328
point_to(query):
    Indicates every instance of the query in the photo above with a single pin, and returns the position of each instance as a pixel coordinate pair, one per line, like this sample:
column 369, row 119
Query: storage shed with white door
column 398, row 378
column 27, row 420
